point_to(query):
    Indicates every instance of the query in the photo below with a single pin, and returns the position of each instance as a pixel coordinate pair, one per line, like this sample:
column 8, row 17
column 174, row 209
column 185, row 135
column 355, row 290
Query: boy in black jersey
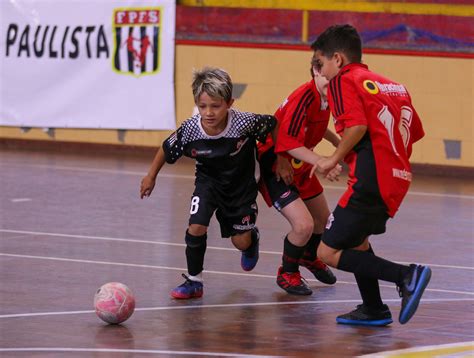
column 222, row 140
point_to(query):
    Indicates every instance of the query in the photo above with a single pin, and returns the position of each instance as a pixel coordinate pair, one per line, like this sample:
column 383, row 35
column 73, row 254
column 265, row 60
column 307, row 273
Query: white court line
column 431, row 351
column 104, row 238
column 141, row 351
column 180, row 176
column 20, row 200
column 230, row 305
column 183, row 269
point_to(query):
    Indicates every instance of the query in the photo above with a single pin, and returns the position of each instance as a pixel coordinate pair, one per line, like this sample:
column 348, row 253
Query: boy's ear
column 231, row 102
column 339, row 59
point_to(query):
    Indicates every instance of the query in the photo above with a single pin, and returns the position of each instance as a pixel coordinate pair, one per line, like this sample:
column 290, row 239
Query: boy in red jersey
column 378, row 125
column 302, row 123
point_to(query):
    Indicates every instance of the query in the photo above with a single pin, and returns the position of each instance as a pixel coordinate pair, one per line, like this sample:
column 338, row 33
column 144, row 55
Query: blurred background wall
column 426, row 45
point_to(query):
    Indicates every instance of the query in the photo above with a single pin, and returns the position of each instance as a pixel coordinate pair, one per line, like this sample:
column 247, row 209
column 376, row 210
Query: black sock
column 311, row 248
column 367, row 264
column 291, row 256
column 369, row 288
column 195, row 250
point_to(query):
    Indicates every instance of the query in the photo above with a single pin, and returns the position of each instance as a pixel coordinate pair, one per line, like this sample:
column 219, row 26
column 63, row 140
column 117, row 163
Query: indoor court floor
column 70, row 223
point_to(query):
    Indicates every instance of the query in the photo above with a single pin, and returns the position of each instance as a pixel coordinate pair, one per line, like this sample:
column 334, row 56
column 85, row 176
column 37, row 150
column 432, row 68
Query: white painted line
column 137, row 351
column 104, row 238
column 230, row 305
column 99, row 170
column 429, row 351
column 184, row 270
column 20, row 200
column 180, row 176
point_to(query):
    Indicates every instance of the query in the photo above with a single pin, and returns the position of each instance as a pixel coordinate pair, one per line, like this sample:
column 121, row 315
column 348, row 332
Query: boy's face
column 213, row 112
column 327, row 66
column 321, row 82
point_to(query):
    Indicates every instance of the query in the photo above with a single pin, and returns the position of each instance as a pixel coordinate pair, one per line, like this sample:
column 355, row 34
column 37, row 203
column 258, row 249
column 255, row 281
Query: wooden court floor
column 70, row 223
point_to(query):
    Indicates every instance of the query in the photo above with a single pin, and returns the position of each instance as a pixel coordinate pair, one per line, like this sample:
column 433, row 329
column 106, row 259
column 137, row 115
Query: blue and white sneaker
column 367, row 316
column 412, row 289
column 249, row 257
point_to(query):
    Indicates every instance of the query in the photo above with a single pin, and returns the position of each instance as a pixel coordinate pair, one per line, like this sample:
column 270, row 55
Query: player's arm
column 149, row 180
column 304, row 154
column 264, row 124
column 169, row 152
column 351, row 136
column 332, row 137
column 290, row 138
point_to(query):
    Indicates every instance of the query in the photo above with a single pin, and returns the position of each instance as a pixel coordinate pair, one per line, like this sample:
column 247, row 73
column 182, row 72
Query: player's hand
column 323, row 166
column 146, row 186
column 334, row 173
column 326, row 164
column 284, row 170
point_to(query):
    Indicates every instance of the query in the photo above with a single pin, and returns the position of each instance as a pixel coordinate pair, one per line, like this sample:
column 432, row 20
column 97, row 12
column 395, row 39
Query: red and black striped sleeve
column 345, row 102
column 292, row 120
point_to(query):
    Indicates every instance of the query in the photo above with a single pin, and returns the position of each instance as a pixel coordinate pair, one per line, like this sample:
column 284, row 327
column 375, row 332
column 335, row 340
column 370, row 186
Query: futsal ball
column 114, row 302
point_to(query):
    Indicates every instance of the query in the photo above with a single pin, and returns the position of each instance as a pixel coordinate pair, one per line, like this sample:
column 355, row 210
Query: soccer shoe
column 293, row 283
column 367, row 316
column 320, row 270
column 189, row 289
column 250, row 256
column 412, row 289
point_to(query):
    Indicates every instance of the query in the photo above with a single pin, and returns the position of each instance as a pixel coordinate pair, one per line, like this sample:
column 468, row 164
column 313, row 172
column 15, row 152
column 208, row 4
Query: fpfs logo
column 137, row 40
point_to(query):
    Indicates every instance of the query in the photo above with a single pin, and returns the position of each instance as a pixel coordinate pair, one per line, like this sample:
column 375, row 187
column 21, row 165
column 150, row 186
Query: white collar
column 230, row 116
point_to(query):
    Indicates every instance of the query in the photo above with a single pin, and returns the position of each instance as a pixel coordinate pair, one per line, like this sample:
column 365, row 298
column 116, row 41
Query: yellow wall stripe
column 304, row 26
column 342, row 5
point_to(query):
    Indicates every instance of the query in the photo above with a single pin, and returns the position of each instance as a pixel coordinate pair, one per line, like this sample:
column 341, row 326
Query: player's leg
column 338, row 250
column 239, row 224
column 289, row 277
column 372, row 311
column 201, row 210
column 287, row 201
column 248, row 242
column 319, row 211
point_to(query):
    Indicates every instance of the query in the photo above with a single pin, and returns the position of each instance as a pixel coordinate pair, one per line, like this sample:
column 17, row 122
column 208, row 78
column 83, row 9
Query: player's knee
column 195, row 241
column 197, row 230
column 242, row 241
column 304, row 228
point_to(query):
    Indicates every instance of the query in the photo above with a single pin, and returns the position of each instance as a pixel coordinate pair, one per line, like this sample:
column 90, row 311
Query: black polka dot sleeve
column 264, row 124
column 173, row 146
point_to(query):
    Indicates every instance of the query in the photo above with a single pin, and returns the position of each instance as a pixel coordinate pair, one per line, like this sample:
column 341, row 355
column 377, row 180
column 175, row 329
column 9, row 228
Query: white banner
column 87, row 63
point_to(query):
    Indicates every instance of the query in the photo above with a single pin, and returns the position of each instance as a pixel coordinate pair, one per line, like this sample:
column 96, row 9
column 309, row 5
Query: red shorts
column 307, row 187
column 279, row 194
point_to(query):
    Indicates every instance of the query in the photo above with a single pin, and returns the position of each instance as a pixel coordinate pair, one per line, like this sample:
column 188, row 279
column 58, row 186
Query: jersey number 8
column 194, row 205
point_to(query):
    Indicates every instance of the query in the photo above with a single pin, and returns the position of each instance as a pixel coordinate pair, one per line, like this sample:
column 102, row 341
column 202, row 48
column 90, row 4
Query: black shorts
column 232, row 220
column 347, row 227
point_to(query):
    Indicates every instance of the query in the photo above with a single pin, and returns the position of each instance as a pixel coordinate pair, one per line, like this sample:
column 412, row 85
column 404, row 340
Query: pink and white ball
column 114, row 302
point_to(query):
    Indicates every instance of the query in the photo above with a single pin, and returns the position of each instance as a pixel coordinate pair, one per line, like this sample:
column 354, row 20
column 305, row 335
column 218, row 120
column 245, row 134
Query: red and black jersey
column 301, row 120
column 379, row 170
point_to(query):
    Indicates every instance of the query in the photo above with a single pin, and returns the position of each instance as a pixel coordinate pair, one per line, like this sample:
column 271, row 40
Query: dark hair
column 340, row 38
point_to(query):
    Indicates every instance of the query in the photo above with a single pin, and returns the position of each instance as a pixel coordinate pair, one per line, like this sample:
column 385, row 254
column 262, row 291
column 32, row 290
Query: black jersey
column 225, row 161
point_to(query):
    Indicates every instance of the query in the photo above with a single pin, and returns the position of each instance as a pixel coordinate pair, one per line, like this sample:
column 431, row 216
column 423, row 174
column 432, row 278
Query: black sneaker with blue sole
column 412, row 289
column 367, row 316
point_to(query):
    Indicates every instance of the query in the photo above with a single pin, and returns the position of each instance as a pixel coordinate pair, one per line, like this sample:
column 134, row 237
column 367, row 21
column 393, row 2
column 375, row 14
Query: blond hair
column 215, row 82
